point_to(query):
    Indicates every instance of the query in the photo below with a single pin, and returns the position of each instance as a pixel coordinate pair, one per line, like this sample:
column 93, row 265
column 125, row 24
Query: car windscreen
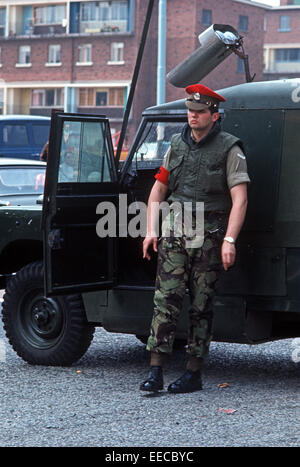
column 154, row 143
column 22, row 180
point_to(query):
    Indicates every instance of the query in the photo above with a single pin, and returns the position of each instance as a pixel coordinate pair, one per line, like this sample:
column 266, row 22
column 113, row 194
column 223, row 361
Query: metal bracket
column 244, row 57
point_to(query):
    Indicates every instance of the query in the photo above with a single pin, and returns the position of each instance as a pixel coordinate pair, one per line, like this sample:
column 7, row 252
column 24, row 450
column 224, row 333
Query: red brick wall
column 184, row 20
column 184, row 27
column 272, row 35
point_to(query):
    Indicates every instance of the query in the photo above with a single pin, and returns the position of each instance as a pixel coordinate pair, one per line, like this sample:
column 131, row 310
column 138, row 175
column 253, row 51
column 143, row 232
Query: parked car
column 23, row 136
column 21, row 181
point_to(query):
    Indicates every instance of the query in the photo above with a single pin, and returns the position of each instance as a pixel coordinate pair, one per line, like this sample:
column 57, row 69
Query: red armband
column 162, row 175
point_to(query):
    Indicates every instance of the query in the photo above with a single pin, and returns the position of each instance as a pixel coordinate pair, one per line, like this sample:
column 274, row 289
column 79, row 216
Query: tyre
column 44, row 331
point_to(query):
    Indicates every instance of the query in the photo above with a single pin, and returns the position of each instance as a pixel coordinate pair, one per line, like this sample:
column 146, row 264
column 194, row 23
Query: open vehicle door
column 81, row 173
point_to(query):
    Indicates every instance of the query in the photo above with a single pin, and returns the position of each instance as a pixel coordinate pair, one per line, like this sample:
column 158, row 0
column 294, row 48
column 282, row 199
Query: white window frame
column 24, row 54
column 50, row 15
column 104, row 10
column 54, row 52
column 84, row 55
column 284, row 23
column 116, row 53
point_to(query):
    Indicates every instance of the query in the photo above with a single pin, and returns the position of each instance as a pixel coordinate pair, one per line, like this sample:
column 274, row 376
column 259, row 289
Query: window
column 240, row 65
column 47, row 97
column 54, row 53
column 95, row 11
column 117, row 52
column 85, row 53
column 37, row 98
column 91, row 97
column 116, row 97
column 101, row 98
column 86, row 97
column 287, row 55
column 2, row 21
column 155, row 141
column 284, row 23
column 15, row 135
column 51, row 14
column 84, row 154
column 104, row 16
column 206, row 17
column 24, row 54
column 243, row 23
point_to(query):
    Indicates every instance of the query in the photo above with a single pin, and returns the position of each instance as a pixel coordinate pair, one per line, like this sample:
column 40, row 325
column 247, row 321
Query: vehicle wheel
column 44, row 331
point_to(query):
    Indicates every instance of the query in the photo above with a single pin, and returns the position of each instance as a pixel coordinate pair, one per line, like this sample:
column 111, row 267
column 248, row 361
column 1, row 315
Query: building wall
column 184, row 24
column 277, row 37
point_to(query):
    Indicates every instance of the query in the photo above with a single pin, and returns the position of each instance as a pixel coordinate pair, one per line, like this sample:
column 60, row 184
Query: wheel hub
column 43, row 315
column 42, row 320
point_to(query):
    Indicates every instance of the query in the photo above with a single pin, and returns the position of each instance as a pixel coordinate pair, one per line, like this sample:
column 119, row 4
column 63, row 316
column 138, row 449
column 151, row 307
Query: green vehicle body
column 20, row 239
column 257, row 300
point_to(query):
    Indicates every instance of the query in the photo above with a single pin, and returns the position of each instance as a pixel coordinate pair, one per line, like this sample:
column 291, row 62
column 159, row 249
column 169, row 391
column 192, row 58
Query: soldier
column 203, row 164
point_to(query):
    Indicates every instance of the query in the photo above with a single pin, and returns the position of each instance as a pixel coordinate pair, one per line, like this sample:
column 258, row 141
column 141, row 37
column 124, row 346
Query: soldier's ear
column 215, row 116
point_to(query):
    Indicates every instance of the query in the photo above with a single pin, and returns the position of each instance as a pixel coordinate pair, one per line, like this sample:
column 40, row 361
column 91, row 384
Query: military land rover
column 65, row 279
column 92, row 281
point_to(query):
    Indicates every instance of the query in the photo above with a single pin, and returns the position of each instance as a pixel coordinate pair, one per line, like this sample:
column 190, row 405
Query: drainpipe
column 161, row 56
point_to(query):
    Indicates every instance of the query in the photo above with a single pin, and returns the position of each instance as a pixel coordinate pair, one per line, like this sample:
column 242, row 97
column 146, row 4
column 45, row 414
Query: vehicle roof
column 25, row 117
column 13, row 161
column 276, row 94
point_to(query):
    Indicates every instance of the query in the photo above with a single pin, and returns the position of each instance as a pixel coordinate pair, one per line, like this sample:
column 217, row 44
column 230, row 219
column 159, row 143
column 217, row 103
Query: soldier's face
column 201, row 120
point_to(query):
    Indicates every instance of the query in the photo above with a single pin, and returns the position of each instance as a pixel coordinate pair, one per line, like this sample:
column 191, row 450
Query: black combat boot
column 154, row 382
column 190, row 381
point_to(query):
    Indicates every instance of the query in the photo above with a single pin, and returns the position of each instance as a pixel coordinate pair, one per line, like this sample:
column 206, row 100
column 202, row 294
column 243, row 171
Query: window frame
column 24, row 54
column 55, row 50
column 206, row 13
column 243, row 23
column 42, row 93
column 116, row 53
column 45, row 14
column 113, row 95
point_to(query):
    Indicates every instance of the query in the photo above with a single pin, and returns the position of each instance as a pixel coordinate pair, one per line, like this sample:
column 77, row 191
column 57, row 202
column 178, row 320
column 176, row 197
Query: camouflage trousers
column 180, row 268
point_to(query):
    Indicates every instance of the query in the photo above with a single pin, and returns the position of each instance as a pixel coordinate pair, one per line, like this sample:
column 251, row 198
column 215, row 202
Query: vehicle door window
column 15, row 135
column 84, row 153
column 154, row 143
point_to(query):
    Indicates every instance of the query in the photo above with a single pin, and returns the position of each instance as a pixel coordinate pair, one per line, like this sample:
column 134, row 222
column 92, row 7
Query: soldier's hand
column 228, row 254
column 148, row 241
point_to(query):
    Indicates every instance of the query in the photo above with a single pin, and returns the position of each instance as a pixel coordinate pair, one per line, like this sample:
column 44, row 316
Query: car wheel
column 42, row 330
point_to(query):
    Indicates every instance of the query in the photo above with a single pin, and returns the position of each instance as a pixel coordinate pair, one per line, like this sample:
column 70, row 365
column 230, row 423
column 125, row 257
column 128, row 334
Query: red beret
column 204, row 91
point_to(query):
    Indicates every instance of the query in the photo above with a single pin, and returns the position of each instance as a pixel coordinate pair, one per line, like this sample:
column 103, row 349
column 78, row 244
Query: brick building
column 80, row 55
column 282, row 41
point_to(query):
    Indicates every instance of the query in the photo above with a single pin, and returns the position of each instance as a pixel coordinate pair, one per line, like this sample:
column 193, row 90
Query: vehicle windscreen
column 154, row 143
column 22, row 180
